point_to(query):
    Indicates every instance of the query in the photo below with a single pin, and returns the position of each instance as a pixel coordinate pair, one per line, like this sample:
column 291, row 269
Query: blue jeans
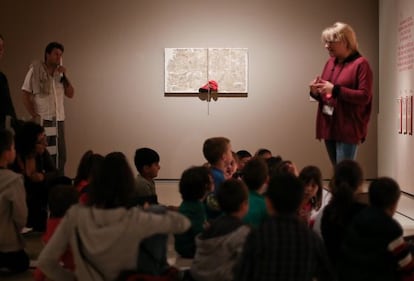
column 339, row 151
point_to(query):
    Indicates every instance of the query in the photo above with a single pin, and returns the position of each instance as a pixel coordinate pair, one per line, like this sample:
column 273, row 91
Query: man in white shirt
column 44, row 89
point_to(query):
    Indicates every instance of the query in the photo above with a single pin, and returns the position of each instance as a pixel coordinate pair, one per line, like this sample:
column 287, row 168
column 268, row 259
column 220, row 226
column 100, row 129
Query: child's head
column 284, row 194
column 273, row 164
column 114, row 185
column 147, row 162
column 255, row 173
column 7, row 151
column 194, row 184
column 61, row 197
column 311, row 177
column 384, row 194
column 30, row 140
column 243, row 157
column 217, row 150
column 348, row 177
column 345, row 183
column 232, row 197
column 263, row 153
column 287, row 166
column 88, row 166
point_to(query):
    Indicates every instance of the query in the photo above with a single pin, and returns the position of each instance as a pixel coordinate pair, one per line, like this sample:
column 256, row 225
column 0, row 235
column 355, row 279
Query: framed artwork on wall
column 188, row 69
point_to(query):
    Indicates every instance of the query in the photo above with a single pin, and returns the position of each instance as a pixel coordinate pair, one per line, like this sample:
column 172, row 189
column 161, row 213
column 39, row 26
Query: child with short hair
column 194, row 184
column 243, row 157
column 273, row 164
column 263, row 153
column 283, row 247
column 147, row 162
column 374, row 247
column 61, row 198
column 13, row 209
column 255, row 175
column 220, row 245
column 217, row 151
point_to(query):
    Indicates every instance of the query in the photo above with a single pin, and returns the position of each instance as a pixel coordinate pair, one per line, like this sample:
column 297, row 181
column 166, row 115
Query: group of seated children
column 254, row 223
column 105, row 234
column 282, row 206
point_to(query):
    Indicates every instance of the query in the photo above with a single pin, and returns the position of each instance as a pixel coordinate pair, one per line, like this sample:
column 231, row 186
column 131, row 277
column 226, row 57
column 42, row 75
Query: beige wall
column 395, row 151
column 115, row 58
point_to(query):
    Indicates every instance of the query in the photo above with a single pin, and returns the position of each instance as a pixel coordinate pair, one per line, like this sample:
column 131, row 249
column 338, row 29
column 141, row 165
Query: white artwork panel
column 188, row 69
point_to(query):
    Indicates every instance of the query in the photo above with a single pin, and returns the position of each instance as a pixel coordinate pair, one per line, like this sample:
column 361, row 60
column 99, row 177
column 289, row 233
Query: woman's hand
column 324, row 88
column 313, row 86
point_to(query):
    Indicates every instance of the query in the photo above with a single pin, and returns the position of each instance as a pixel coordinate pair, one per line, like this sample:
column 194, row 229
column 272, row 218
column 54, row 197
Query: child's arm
column 49, row 258
column 19, row 205
column 170, row 222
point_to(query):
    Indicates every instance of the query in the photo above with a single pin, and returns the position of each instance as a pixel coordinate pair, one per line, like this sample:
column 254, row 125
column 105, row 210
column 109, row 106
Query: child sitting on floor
column 220, row 245
column 13, row 209
column 256, row 176
column 195, row 182
column 147, row 162
column 311, row 177
column 374, row 247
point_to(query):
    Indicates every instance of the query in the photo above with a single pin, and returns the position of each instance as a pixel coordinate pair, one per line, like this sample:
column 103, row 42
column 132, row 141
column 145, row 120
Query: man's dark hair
column 384, row 192
column 6, row 140
column 145, row 157
column 285, row 192
column 231, row 194
column 53, row 45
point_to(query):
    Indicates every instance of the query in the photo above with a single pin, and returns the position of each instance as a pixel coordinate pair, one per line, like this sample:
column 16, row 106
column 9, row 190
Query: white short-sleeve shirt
column 49, row 103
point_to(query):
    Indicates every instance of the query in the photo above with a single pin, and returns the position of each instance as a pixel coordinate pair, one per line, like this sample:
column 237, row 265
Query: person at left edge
column 6, row 104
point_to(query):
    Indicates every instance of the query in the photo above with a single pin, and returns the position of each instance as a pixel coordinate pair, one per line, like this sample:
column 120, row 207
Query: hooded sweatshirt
column 218, row 249
column 13, row 211
column 104, row 242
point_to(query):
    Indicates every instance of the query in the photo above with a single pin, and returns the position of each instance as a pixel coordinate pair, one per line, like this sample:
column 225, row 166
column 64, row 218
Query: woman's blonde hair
column 340, row 32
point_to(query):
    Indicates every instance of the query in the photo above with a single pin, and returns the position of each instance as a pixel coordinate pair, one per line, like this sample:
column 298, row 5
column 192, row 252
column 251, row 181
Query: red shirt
column 351, row 99
column 83, row 193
